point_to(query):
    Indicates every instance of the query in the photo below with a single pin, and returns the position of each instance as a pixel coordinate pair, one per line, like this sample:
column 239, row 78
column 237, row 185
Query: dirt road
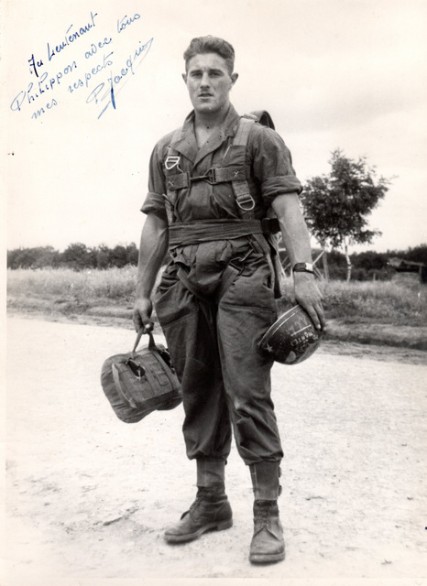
column 88, row 497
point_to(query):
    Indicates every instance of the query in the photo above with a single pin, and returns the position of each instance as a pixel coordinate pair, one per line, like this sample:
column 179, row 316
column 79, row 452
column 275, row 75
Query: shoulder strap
column 244, row 199
column 242, row 194
column 263, row 117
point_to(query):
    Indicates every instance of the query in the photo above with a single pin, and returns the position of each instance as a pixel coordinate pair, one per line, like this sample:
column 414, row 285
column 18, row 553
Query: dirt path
column 88, row 497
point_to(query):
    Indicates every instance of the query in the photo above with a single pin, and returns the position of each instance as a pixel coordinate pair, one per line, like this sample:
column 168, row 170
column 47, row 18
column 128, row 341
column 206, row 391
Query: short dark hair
column 210, row 44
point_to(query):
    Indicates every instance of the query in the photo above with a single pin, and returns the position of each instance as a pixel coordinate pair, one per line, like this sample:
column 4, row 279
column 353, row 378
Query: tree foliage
column 337, row 205
column 76, row 256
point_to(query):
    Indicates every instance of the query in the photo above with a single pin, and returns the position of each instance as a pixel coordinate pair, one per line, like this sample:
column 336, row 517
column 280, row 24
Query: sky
column 346, row 74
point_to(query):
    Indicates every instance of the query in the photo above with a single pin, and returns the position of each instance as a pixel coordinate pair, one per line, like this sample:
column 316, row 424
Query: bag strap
column 119, row 387
column 151, row 344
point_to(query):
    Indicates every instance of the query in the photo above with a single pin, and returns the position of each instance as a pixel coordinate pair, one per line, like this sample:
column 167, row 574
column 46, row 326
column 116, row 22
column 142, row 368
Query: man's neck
column 208, row 120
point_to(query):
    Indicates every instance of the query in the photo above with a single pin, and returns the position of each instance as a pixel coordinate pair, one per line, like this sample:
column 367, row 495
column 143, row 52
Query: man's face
column 209, row 82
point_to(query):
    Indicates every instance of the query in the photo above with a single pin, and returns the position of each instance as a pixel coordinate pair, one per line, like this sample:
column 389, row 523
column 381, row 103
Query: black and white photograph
column 214, row 293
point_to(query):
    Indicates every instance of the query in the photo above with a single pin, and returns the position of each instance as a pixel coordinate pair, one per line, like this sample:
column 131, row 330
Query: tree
column 336, row 205
column 78, row 256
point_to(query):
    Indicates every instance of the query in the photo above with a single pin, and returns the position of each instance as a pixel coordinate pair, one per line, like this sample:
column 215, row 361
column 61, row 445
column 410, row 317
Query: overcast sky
column 332, row 73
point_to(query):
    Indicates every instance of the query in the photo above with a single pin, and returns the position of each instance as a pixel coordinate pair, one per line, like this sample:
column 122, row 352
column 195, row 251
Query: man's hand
column 142, row 313
column 307, row 294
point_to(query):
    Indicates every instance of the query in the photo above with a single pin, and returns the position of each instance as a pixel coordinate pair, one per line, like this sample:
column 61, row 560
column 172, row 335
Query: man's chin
column 206, row 108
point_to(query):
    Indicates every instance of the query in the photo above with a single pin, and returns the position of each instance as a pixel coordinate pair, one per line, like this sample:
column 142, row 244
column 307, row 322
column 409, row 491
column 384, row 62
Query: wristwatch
column 303, row 267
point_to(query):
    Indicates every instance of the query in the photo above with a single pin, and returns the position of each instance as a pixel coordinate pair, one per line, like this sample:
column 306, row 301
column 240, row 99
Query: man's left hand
column 308, row 295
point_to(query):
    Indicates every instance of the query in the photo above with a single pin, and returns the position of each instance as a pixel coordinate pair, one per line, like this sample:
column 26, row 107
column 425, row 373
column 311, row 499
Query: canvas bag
column 139, row 382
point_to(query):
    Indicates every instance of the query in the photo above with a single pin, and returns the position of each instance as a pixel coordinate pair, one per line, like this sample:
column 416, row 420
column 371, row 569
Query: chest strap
column 236, row 175
column 213, row 176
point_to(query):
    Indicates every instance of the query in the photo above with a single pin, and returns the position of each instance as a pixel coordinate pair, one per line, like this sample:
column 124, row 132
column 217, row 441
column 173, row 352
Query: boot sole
column 170, row 538
column 267, row 558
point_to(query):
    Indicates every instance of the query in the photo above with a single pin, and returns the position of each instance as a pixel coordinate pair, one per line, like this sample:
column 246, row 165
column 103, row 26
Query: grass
column 84, row 285
column 367, row 311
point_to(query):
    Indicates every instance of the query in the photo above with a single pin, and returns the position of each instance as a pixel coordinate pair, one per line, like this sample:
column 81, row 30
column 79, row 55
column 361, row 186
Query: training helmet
column 292, row 338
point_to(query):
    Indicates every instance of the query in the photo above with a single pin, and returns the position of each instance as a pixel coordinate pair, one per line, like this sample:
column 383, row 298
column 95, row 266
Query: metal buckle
column 246, row 202
column 209, row 177
column 238, row 263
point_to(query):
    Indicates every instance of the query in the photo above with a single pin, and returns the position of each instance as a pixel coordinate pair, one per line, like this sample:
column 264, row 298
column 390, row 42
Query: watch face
column 304, row 267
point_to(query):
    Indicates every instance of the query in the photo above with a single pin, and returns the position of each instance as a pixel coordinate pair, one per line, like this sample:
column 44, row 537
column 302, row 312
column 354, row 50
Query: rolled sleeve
column 155, row 202
column 272, row 165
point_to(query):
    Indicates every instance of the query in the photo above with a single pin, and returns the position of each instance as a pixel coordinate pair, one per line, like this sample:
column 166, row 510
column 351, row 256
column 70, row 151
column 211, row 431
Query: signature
column 104, row 94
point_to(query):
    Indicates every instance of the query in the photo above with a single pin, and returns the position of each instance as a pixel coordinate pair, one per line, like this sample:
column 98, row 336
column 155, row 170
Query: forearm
column 152, row 250
column 295, row 235
column 297, row 241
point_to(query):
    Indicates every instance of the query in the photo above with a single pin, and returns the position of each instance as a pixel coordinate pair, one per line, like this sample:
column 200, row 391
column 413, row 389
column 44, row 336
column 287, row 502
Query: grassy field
column 385, row 312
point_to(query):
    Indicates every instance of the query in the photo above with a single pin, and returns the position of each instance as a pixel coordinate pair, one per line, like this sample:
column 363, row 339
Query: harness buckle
column 245, row 202
column 209, row 177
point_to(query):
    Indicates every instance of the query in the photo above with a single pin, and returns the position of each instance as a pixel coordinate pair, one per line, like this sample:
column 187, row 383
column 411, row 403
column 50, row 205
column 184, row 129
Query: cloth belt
column 183, row 234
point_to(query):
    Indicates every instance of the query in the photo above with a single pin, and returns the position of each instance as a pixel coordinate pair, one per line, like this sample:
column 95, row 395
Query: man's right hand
column 142, row 311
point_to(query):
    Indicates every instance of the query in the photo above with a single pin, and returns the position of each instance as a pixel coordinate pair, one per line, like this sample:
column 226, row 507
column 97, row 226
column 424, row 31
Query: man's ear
column 184, row 77
column 234, row 77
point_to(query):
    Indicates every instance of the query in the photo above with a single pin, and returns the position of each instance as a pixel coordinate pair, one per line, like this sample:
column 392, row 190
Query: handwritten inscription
column 96, row 46
column 126, row 21
column 41, row 86
column 86, row 78
column 105, row 92
column 98, row 69
column 71, row 36
column 43, row 109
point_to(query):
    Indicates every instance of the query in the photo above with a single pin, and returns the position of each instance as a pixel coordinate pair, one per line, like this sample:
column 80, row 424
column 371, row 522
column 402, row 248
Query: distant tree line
column 370, row 265
column 365, row 265
column 76, row 256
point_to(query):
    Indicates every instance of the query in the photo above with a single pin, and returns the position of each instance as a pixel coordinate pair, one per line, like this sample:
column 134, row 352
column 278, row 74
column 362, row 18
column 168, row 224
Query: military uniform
column 216, row 296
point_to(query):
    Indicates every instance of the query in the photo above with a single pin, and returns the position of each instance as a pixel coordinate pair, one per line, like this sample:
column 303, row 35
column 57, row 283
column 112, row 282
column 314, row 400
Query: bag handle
column 151, row 343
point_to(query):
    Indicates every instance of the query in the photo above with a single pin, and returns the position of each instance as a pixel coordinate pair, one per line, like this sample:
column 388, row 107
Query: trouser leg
column 245, row 312
column 189, row 325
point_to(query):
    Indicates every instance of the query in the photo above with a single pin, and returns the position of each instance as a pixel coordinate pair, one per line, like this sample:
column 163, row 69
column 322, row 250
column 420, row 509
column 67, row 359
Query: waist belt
column 182, row 234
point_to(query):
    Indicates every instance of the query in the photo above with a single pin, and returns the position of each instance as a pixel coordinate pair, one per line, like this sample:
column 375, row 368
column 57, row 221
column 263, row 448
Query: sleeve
column 272, row 165
column 155, row 202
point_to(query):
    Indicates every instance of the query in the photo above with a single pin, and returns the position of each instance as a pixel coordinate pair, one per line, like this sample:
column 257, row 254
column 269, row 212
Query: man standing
column 211, row 185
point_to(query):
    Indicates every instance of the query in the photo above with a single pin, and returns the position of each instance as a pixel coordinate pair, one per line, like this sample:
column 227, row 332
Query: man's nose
column 205, row 81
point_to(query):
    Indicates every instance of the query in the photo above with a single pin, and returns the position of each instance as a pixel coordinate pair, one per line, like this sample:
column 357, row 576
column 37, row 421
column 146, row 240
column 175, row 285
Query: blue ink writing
column 70, row 37
column 35, row 90
column 34, row 65
column 88, row 75
column 95, row 46
column 100, row 93
column 41, row 111
column 126, row 21
column 113, row 99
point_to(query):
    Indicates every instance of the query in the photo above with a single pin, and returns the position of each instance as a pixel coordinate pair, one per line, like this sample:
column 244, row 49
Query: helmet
column 292, row 338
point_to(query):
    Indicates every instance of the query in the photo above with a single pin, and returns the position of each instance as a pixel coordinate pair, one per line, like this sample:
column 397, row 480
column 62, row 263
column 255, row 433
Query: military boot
column 210, row 511
column 267, row 545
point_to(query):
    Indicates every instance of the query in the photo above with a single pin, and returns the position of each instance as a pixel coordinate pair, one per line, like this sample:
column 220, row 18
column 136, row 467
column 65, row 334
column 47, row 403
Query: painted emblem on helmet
column 172, row 161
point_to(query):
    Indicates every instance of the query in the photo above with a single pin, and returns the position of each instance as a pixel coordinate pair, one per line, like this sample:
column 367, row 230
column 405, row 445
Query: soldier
column 211, row 185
